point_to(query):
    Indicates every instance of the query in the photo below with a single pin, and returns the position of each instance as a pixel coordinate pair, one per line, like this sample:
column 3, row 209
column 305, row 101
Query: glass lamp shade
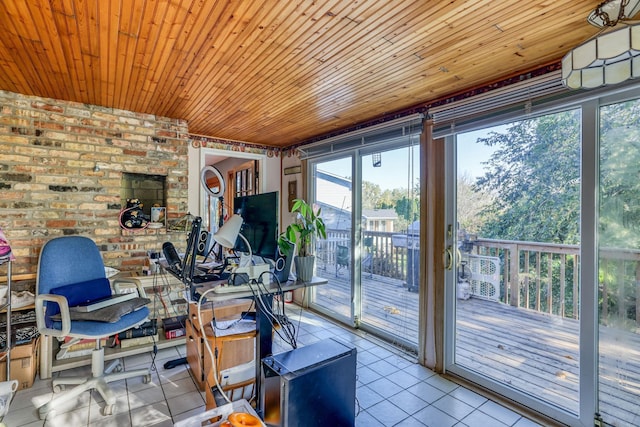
column 228, row 233
column 612, row 10
column 611, row 57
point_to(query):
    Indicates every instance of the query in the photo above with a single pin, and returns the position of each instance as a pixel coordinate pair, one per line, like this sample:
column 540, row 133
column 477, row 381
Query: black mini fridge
column 314, row 385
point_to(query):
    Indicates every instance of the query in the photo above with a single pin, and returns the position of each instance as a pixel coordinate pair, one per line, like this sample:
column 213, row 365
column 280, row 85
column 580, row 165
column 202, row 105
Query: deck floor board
column 534, row 352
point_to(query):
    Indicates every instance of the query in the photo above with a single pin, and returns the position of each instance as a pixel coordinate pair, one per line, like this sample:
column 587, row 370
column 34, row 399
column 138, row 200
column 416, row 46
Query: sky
column 393, row 172
column 471, row 155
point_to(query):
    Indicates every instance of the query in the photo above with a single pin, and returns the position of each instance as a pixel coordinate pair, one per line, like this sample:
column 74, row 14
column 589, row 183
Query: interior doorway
column 243, row 174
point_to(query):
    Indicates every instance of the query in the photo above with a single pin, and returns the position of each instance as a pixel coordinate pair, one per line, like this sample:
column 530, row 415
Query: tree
column 619, row 177
column 470, row 204
column 534, row 177
column 371, row 194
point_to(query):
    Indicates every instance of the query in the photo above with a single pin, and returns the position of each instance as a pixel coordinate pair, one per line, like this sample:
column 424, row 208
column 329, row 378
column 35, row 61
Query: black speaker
column 204, row 241
column 282, row 267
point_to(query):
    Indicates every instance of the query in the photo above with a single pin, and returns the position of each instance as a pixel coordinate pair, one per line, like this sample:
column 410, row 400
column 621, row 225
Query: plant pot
column 304, row 267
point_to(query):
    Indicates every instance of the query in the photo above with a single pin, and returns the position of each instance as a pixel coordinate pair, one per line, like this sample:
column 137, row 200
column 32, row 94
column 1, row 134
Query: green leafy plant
column 307, row 227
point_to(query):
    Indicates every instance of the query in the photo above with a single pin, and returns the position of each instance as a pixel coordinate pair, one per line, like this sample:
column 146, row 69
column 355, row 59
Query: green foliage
column 371, row 195
column 406, row 205
column 307, row 227
column 470, row 204
column 534, row 176
column 619, row 220
column 408, row 209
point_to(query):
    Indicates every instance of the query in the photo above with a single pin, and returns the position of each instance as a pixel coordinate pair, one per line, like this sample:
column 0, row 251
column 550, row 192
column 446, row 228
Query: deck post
column 514, row 277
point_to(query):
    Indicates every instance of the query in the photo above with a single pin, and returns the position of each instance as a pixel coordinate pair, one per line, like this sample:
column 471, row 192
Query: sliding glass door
column 516, row 280
column 619, row 264
column 389, row 267
column 544, row 294
column 333, row 193
column 371, row 257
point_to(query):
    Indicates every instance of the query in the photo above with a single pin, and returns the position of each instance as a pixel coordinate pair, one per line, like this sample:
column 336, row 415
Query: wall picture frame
column 292, row 170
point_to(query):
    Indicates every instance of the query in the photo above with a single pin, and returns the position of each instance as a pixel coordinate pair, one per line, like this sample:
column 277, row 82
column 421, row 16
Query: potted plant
column 307, row 227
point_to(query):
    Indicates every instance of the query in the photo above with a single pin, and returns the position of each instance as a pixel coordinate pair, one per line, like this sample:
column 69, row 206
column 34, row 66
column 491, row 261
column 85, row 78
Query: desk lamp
column 227, row 235
column 229, row 232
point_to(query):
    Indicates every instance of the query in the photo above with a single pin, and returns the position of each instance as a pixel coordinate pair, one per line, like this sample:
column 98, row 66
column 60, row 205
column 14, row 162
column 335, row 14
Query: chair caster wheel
column 117, row 368
column 107, row 410
column 146, row 379
column 58, row 388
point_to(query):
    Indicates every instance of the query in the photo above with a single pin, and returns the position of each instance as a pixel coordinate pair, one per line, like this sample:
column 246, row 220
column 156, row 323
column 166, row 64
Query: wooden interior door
column 243, row 181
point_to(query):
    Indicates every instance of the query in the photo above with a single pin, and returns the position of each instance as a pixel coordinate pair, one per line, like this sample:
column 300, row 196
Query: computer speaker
column 283, row 262
column 204, row 242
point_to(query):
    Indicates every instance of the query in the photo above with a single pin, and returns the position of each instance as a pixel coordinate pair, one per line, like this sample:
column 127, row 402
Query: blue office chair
column 71, row 272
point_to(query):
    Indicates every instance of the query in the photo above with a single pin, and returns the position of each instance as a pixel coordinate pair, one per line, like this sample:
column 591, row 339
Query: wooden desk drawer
column 194, row 354
column 226, row 309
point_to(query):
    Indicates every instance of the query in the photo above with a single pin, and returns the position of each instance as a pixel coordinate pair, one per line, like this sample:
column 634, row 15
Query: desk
column 264, row 343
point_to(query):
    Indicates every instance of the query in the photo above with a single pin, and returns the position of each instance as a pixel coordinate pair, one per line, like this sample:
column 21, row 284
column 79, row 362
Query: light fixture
column 612, row 55
column 229, row 233
column 212, row 181
column 376, row 159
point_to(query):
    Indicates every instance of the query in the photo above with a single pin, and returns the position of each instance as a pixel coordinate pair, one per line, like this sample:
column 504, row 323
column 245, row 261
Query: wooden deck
column 531, row 351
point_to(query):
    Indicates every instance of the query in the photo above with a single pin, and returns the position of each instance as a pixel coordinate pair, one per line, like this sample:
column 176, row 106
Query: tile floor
column 392, row 390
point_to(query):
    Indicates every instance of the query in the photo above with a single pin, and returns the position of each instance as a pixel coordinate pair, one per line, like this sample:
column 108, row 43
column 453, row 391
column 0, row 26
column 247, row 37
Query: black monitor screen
column 260, row 227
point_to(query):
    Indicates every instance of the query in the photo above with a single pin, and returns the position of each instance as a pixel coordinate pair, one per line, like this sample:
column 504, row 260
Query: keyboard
column 204, row 278
column 103, row 302
column 225, row 289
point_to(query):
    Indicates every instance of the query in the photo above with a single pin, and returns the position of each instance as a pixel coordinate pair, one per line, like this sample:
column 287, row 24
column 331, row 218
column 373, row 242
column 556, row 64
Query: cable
column 214, row 362
column 286, row 327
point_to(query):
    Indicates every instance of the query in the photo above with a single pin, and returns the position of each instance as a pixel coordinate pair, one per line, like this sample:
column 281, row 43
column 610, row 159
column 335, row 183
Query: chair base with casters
column 99, row 381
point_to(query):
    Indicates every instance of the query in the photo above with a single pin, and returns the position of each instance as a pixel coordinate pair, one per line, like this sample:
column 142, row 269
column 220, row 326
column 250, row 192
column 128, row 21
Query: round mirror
column 211, row 179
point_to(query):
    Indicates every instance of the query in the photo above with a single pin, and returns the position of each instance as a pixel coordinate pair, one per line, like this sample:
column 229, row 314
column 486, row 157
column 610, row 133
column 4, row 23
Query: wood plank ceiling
column 276, row 72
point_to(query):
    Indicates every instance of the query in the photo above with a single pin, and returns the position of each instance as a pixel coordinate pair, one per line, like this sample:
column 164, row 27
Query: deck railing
column 538, row 276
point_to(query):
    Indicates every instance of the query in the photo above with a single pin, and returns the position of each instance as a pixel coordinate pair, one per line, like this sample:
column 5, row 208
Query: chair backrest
column 342, row 256
column 66, row 260
column 71, row 266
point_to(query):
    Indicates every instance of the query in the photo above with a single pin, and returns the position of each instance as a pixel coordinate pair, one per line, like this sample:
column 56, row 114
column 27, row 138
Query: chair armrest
column 136, row 283
column 64, row 313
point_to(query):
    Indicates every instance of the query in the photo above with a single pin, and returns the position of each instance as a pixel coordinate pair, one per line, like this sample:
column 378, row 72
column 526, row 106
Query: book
column 84, row 344
column 103, row 302
column 132, row 342
column 174, row 333
column 174, row 326
column 144, row 330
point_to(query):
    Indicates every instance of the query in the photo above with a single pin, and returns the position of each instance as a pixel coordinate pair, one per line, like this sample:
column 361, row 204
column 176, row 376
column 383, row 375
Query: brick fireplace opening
column 150, row 189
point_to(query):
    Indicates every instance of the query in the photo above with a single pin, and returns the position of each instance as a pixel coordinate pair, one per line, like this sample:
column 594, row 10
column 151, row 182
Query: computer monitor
column 260, row 215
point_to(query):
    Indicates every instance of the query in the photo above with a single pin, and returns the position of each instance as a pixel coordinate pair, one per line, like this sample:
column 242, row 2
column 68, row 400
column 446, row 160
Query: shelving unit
column 19, row 324
column 49, row 346
column 6, row 307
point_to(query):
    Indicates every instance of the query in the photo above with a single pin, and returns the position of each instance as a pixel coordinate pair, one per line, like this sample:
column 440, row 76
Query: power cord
column 214, row 362
column 279, row 317
column 288, row 333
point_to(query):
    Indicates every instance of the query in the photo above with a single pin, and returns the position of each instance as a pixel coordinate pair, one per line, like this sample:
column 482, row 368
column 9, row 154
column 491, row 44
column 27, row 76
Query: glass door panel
column 333, row 193
column 619, row 264
column 517, row 260
column 389, row 253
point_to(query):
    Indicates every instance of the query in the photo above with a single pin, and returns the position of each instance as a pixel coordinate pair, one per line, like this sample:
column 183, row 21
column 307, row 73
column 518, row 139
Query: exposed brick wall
column 61, row 165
